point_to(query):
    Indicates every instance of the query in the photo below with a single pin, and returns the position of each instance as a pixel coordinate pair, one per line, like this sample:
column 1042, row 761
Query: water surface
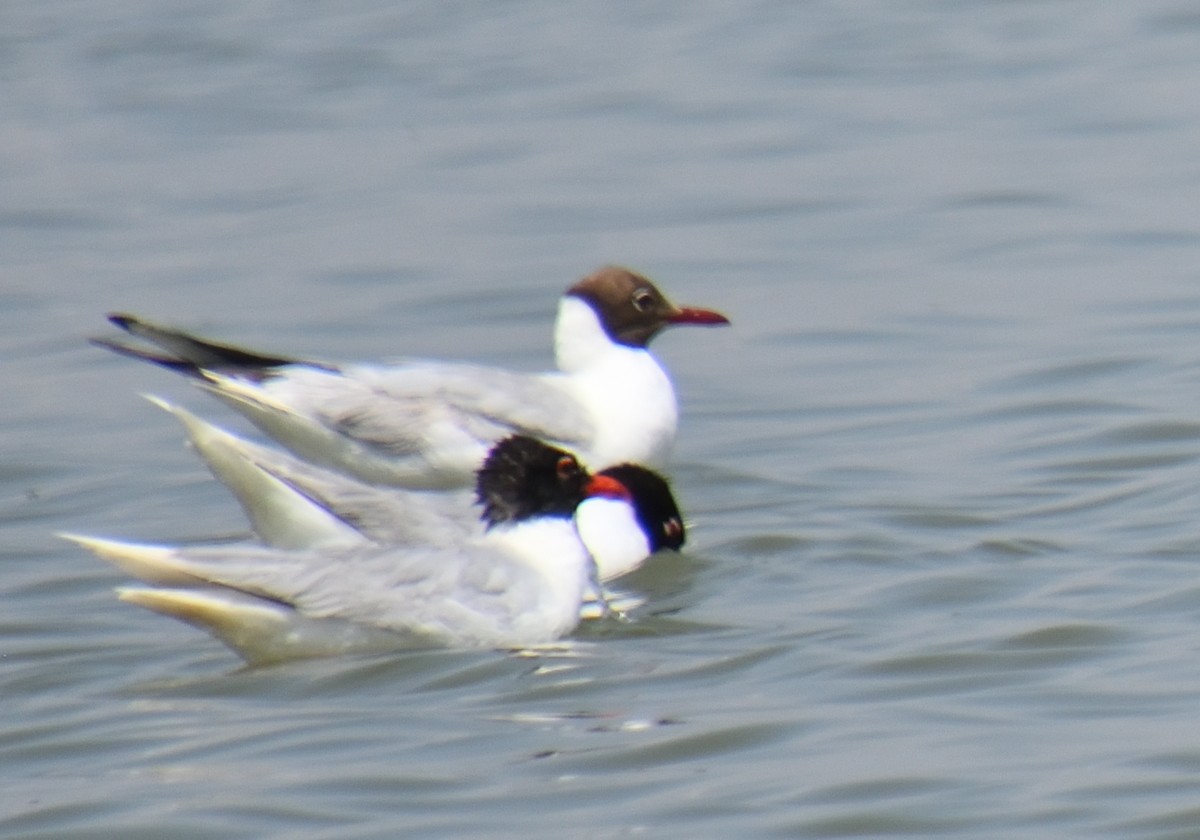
column 942, row 473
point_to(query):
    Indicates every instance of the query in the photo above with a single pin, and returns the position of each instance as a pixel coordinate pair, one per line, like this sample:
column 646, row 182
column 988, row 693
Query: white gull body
column 293, row 504
column 518, row 583
column 430, row 424
column 521, row 585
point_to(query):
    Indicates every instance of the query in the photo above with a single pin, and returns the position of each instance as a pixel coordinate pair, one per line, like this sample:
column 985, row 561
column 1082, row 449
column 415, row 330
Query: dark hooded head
column 523, row 478
column 653, row 504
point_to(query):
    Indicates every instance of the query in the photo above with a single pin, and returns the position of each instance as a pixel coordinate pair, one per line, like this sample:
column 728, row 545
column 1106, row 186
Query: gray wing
column 385, row 515
column 294, row 504
column 428, row 425
column 417, row 407
column 471, row 597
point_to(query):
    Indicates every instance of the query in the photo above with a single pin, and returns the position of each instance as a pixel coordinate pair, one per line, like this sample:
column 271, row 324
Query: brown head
column 632, row 310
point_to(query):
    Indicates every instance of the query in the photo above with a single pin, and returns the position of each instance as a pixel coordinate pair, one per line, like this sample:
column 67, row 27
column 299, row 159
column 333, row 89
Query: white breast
column 626, row 392
column 611, row 531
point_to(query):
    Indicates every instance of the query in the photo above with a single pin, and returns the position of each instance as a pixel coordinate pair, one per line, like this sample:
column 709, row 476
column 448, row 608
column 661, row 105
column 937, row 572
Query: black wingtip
column 121, row 319
column 183, row 351
column 169, row 362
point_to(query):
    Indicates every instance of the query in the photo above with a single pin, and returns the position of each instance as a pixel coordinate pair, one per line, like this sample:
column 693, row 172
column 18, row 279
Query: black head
column 653, row 504
column 632, row 309
column 523, row 478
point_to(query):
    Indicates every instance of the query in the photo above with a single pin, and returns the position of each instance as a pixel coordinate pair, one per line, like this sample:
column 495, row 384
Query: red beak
column 608, row 487
column 699, row 317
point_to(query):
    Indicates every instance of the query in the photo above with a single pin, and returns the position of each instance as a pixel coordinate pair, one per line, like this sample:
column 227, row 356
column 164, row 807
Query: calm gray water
column 943, row 474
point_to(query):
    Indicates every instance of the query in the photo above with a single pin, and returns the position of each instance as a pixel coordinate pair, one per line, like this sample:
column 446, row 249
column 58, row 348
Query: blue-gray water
column 943, row 473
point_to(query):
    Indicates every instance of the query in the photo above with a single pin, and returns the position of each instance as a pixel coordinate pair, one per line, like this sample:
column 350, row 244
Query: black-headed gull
column 430, row 424
column 520, row 583
column 293, row 504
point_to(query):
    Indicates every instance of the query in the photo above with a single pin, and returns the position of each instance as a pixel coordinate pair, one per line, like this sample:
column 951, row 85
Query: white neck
column 611, row 532
column 624, row 390
column 551, row 548
column 579, row 338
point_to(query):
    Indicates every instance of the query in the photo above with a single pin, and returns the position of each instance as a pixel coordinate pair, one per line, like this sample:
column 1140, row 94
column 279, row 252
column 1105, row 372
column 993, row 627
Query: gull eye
column 672, row 529
column 566, row 467
column 643, row 300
